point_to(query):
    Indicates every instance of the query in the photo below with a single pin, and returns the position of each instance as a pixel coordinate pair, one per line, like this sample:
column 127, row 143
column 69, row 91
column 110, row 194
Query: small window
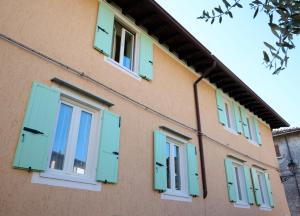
column 230, row 119
column 252, row 130
column 123, row 48
column 277, row 150
column 240, row 184
column 263, row 189
column 176, row 164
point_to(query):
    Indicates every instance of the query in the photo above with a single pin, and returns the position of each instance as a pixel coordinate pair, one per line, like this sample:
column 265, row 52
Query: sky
column 238, row 43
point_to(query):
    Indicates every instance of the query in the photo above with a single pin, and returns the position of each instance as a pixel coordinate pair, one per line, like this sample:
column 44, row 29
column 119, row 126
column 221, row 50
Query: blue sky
column 238, row 43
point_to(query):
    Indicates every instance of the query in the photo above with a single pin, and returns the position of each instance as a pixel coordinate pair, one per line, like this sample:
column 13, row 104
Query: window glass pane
column 61, row 137
column 82, row 143
column 249, row 127
column 168, row 165
column 238, row 183
column 227, row 115
column 177, row 168
column 117, row 42
column 128, row 50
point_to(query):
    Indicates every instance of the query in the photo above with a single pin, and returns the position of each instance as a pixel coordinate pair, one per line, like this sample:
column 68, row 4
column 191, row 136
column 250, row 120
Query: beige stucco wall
column 64, row 30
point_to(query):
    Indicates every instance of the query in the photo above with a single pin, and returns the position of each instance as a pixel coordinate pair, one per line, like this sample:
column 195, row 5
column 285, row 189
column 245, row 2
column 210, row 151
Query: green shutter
column 108, row 157
column 270, row 193
column 192, row 165
column 146, row 57
column 257, row 131
column 245, row 123
column 257, row 191
column 104, row 29
column 230, row 180
column 249, row 186
column 238, row 120
column 221, row 107
column 37, row 129
column 160, row 157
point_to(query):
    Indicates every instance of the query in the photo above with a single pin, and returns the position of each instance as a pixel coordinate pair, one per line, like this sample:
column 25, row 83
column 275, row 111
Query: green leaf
column 220, row 19
column 226, row 3
column 274, row 27
column 266, row 57
column 239, row 5
column 219, row 9
column 212, row 20
column 230, row 14
column 277, row 71
column 255, row 13
column 269, row 46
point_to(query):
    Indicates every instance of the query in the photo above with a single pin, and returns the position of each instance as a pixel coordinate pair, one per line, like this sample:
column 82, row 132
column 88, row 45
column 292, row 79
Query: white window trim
column 252, row 127
column 184, row 194
column 263, row 206
column 123, row 20
column 240, row 203
column 230, row 130
column 57, row 178
column 121, row 68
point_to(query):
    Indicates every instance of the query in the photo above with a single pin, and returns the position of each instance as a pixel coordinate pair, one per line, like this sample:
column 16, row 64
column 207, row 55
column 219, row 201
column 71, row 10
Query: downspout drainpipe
column 199, row 131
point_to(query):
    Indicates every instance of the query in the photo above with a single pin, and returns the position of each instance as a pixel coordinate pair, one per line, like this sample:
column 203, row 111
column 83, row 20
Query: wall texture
column 290, row 183
column 64, row 30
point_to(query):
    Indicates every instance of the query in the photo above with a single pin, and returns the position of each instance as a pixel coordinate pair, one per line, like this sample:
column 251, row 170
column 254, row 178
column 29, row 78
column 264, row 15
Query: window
column 230, row 119
column 263, row 189
column 123, row 48
column 240, row 184
column 73, row 149
column 251, row 128
column 277, row 150
column 175, row 163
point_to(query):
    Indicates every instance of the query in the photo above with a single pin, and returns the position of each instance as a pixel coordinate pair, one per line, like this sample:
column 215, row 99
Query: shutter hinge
column 102, row 29
column 119, row 122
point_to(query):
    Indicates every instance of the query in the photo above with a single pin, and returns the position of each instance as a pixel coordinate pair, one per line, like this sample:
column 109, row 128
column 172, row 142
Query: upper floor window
column 277, row 150
column 230, row 119
column 125, row 45
column 237, row 118
column 123, row 48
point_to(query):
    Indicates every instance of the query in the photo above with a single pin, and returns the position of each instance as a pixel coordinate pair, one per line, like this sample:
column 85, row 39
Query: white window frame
column 229, row 114
column 183, row 194
column 240, row 203
column 71, row 180
column 131, row 28
column 265, row 205
column 252, row 130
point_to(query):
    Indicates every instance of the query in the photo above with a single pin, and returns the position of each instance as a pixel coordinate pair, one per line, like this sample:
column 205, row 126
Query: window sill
column 241, row 205
column 176, row 196
column 253, row 142
column 230, row 130
column 65, row 181
column 122, row 68
column 265, row 208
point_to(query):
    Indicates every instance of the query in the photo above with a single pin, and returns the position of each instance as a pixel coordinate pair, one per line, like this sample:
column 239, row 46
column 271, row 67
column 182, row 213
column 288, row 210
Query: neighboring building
column 287, row 145
column 99, row 117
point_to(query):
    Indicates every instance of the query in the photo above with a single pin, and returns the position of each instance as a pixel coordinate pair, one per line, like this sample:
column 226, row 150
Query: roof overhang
column 161, row 25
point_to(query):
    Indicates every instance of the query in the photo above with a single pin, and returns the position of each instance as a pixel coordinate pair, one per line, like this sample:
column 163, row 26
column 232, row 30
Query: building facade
column 113, row 108
column 287, row 144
